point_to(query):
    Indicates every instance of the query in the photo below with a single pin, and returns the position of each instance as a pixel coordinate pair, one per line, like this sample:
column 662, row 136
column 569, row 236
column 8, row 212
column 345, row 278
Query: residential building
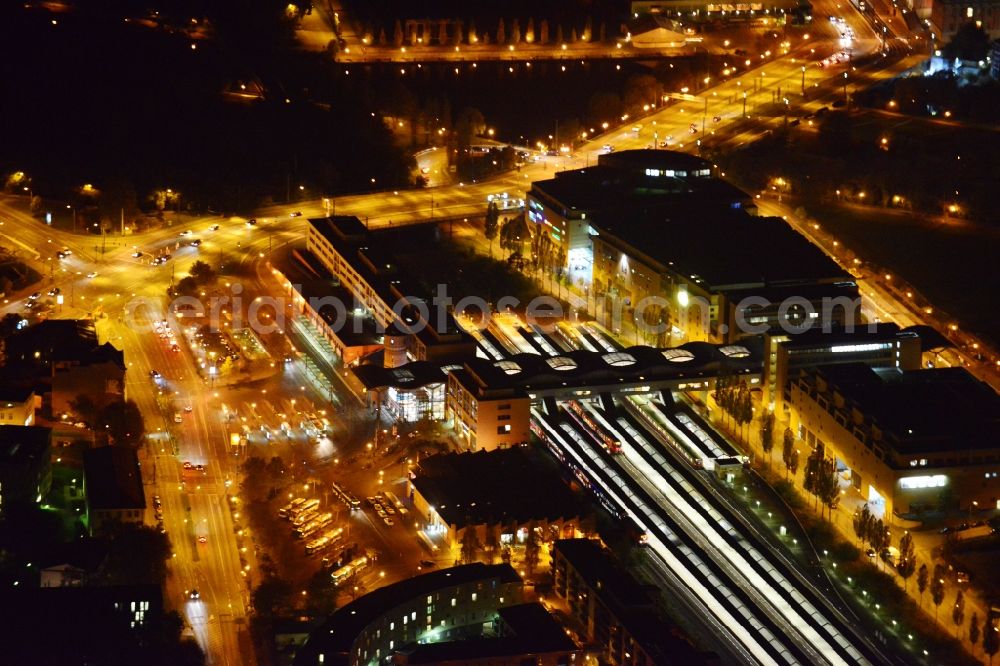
column 18, row 405
column 112, row 482
column 25, row 465
column 448, row 604
column 521, row 634
column 614, row 611
column 907, row 440
column 950, row 15
column 499, row 495
column 75, row 362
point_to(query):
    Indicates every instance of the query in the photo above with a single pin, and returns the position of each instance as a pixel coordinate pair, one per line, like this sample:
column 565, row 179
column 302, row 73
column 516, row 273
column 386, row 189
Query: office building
column 907, row 440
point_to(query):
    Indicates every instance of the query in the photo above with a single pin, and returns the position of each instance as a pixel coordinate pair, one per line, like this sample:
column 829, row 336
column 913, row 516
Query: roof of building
column 844, row 334
column 939, row 409
column 534, row 372
column 338, row 633
column 335, row 303
column 527, row 629
column 413, row 375
column 11, row 394
column 721, row 249
column 499, row 487
column 62, row 340
column 23, row 445
column 113, row 479
column 632, row 603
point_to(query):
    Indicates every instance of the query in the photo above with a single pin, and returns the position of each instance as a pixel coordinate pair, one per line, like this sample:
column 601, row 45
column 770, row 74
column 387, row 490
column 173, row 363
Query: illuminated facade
column 907, row 440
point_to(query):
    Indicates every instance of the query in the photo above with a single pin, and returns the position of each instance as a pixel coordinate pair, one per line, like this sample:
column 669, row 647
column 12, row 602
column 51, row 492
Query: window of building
column 504, row 406
column 561, row 363
column 509, row 367
column 504, row 429
column 735, row 351
column 454, row 601
column 503, row 417
column 678, row 355
column 619, row 359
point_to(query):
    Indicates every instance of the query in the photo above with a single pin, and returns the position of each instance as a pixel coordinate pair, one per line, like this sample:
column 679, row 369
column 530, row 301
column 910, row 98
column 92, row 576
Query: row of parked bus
column 349, row 570
column 327, row 539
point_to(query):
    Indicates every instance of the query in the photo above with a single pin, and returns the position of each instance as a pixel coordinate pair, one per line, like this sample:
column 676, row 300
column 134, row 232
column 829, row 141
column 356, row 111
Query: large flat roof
column 495, row 487
column 721, row 249
column 939, row 409
column 113, row 479
column 336, row 635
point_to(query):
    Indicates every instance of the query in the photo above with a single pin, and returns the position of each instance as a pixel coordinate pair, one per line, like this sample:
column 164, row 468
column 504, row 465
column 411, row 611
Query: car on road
column 188, row 408
column 252, row 222
column 425, row 170
column 155, row 374
column 426, row 563
column 194, row 595
column 35, row 296
column 608, row 148
column 214, row 227
column 636, row 128
column 716, row 119
column 174, row 348
column 195, row 243
column 200, row 468
column 55, row 291
column 186, row 232
column 388, row 521
column 295, row 214
column 188, row 464
column 179, row 419
column 136, row 254
column 203, row 539
column 61, row 255
column 92, row 275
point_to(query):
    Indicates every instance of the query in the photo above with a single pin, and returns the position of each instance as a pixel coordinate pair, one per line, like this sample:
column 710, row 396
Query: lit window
column 473, row 596
column 678, row 355
column 453, row 602
column 561, row 363
column 402, row 375
column 933, row 481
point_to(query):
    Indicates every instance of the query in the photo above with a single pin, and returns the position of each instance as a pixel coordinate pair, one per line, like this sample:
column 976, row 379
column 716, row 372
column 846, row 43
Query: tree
column 532, row 548
column 515, row 32
column 958, row 611
column 501, row 32
column 767, row 434
column 862, row 523
column 470, row 545
column 937, row 588
column 604, row 106
column 271, row 598
column 793, row 462
column 490, row 225
column 122, row 422
column 559, row 33
column 991, row 639
column 588, row 30
column 529, row 31
column 922, row 578
column 201, row 272
column 969, row 43
column 186, row 286
column 974, row 631
column 491, row 543
column 543, row 32
column 788, row 450
column 829, row 488
column 907, row 559
column 397, row 34
column 83, row 406
column 117, row 202
column 137, row 554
